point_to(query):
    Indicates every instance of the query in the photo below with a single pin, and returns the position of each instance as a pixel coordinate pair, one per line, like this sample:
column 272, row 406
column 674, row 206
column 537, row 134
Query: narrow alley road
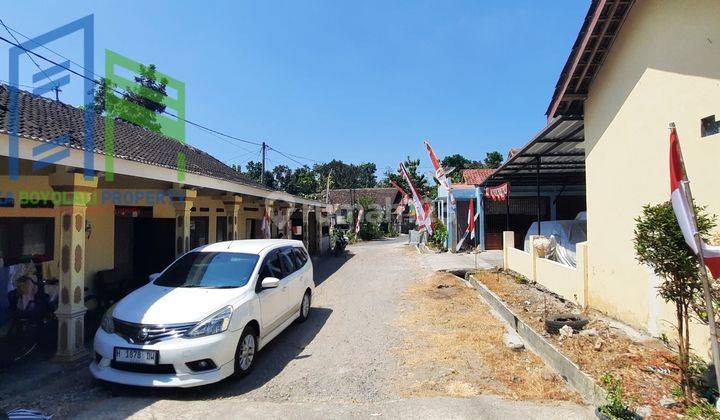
column 339, row 363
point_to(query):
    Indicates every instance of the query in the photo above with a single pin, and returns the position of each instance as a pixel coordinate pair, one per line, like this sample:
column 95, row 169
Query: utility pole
column 327, row 188
column 262, row 174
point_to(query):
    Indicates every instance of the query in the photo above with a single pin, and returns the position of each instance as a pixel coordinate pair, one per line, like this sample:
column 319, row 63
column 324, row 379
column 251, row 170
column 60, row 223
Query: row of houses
column 79, row 231
column 635, row 67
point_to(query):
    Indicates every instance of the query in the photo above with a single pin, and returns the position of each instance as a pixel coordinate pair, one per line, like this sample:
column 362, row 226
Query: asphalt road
column 339, row 363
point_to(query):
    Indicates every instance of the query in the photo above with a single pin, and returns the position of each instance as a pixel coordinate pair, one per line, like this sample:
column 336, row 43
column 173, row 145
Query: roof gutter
column 576, row 60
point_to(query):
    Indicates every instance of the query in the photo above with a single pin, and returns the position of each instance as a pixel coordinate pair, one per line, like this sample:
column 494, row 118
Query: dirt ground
column 645, row 365
column 453, row 347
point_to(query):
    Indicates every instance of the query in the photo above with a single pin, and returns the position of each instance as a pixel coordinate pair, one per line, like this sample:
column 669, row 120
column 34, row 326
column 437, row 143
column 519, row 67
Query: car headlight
column 214, row 324
column 107, row 323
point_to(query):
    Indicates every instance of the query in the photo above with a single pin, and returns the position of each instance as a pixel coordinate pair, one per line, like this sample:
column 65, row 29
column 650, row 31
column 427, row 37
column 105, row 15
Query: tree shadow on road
column 329, row 265
column 271, row 360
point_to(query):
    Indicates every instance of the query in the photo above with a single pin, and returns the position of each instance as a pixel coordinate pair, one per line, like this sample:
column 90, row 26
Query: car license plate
column 145, row 357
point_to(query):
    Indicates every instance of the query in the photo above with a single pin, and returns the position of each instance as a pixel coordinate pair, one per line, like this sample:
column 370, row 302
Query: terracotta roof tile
column 380, row 196
column 476, row 176
column 44, row 119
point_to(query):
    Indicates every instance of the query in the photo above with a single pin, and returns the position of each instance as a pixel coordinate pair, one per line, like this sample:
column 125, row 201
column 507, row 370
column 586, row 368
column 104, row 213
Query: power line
column 287, row 155
column 121, row 93
column 217, row 133
column 57, row 87
column 45, row 47
column 237, row 157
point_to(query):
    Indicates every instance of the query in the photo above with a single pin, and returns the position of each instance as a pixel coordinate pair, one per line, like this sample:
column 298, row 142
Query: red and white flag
column 440, row 175
column 471, row 219
column 405, row 198
column 422, row 213
column 470, row 231
column 684, row 211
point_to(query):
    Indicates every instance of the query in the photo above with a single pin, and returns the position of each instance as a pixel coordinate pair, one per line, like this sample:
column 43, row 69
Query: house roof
column 43, row 119
column 599, row 30
column 556, row 155
column 476, row 176
column 380, row 196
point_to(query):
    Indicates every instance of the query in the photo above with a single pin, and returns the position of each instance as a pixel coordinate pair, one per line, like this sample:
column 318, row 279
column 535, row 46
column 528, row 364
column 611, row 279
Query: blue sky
column 356, row 81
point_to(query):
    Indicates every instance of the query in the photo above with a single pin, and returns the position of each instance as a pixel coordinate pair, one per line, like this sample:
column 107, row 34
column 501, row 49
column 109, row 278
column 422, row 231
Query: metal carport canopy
column 555, row 156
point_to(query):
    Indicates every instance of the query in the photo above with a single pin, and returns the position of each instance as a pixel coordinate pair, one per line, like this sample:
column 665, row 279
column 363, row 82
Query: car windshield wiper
column 222, row 287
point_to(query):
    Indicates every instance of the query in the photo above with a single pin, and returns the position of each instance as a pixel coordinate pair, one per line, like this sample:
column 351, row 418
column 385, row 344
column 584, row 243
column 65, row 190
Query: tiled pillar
column 233, row 209
column 77, row 192
column 319, row 219
column 270, row 209
column 182, row 201
column 306, row 225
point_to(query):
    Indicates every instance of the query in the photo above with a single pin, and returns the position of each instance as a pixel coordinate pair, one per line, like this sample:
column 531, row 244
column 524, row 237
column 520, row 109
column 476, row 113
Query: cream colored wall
column 568, row 282
column 521, row 262
column 663, row 67
column 100, row 245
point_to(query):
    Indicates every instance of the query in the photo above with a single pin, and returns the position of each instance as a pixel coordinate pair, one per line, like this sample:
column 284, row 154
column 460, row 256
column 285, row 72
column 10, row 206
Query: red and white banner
column 440, row 175
column 405, row 198
column 470, row 231
column 422, row 210
column 499, row 193
column 265, row 226
column 684, row 211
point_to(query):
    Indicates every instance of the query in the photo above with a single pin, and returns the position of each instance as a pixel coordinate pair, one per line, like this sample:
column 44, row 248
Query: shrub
column 616, row 407
column 703, row 410
column 659, row 244
column 439, row 236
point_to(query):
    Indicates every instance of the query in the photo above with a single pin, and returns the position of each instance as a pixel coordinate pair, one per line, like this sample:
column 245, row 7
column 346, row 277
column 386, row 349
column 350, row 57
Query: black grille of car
column 149, row 333
column 141, row 368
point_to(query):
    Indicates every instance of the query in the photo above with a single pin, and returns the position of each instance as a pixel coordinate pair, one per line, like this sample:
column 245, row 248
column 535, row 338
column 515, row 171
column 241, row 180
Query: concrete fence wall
column 569, row 282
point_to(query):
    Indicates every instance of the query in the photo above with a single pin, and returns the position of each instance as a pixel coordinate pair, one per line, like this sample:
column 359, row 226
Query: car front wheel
column 246, row 351
column 305, row 307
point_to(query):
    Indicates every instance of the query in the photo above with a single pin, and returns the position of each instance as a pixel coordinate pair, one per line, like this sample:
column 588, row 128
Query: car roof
column 250, row 246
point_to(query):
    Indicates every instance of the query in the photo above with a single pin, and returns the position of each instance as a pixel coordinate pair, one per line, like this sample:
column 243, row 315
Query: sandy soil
column 453, row 347
column 644, row 364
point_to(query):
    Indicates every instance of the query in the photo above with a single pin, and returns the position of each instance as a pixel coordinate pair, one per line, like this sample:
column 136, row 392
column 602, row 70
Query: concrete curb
column 566, row 368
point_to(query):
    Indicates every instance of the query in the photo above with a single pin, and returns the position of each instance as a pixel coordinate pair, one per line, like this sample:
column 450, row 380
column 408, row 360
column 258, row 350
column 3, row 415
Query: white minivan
column 206, row 315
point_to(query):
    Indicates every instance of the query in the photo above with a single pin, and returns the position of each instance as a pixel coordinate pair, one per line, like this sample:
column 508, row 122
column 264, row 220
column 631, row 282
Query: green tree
column 283, row 176
column 458, row 163
column 140, row 105
column 305, row 182
column 659, row 244
column 254, row 170
column 493, row 160
column 344, row 175
column 420, row 181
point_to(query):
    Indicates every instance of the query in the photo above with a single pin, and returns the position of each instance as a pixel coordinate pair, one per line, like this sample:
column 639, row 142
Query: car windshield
column 209, row 270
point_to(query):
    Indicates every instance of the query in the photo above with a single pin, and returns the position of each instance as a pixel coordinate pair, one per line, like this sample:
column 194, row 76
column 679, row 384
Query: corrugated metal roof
column 559, row 149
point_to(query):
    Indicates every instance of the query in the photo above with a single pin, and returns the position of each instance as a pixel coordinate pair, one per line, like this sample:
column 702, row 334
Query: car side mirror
column 152, row 277
column 270, row 283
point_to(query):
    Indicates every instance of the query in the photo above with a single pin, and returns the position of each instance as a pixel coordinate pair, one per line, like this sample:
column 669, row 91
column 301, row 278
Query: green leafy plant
column 702, row 409
column 439, row 236
column 616, row 406
column 392, row 232
column 659, row 244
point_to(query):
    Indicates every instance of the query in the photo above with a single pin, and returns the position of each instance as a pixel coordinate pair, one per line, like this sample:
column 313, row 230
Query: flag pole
column 705, row 278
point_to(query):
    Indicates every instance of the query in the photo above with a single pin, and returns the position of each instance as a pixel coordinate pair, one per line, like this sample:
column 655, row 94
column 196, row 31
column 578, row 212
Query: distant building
column 344, row 201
